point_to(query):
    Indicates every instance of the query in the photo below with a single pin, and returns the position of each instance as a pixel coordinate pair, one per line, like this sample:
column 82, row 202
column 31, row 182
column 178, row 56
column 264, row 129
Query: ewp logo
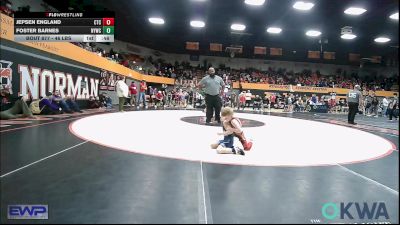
column 331, row 211
column 23, row 212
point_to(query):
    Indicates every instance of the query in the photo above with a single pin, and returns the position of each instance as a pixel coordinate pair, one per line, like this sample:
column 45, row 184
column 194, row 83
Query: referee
column 354, row 101
column 212, row 86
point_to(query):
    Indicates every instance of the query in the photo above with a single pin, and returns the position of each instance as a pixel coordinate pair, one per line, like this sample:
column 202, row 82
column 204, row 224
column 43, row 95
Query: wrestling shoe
column 224, row 150
column 239, row 151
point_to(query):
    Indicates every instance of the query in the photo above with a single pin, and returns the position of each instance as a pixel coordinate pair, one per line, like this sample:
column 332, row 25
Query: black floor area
column 86, row 183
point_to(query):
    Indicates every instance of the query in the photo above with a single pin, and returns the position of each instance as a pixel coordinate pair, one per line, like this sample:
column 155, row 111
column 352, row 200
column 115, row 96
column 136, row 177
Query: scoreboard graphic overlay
column 64, row 27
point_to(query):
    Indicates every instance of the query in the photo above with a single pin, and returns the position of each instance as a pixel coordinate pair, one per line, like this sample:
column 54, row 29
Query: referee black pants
column 391, row 112
column 213, row 103
column 353, row 109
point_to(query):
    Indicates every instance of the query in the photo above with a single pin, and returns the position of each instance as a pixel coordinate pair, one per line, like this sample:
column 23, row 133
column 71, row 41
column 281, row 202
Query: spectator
column 133, row 92
column 368, row 105
column 184, row 98
column 393, row 106
column 301, row 105
column 233, row 99
column 169, row 99
column 266, row 103
column 11, row 107
column 164, row 93
column 60, row 102
column 257, row 103
column 296, row 107
column 142, row 93
column 48, row 107
column 150, row 93
column 69, row 99
column 314, row 99
column 105, row 100
column 248, row 98
column 159, row 99
column 290, row 103
column 93, row 103
column 242, row 100
column 385, row 104
column 332, row 103
column 273, row 100
column 374, row 106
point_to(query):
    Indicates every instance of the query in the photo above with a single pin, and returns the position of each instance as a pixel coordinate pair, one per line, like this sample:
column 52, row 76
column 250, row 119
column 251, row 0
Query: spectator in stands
column 368, row 105
column 273, row 100
column 179, row 97
column 11, row 107
column 142, row 93
column 169, row 99
column 242, row 100
column 60, row 102
column 233, row 99
column 385, row 104
column 393, row 106
column 105, row 100
column 164, row 93
column 296, row 107
column 345, row 106
column 272, row 76
column 364, row 105
column 48, row 107
column 290, row 103
column 93, row 103
column 314, row 99
column 184, row 97
column 133, row 92
column 150, row 93
column 70, row 100
column 374, row 106
column 266, row 104
column 301, row 105
column 159, row 99
column 248, row 98
column 257, row 103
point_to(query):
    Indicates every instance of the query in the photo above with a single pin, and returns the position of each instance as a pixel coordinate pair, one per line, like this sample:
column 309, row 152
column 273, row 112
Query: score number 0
column 106, row 22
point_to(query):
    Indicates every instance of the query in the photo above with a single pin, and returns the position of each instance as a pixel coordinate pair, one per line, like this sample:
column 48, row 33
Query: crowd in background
column 184, row 72
column 280, row 76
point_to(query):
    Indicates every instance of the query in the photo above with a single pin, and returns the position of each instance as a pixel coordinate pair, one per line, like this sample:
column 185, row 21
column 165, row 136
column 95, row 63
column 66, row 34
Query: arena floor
column 156, row 166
